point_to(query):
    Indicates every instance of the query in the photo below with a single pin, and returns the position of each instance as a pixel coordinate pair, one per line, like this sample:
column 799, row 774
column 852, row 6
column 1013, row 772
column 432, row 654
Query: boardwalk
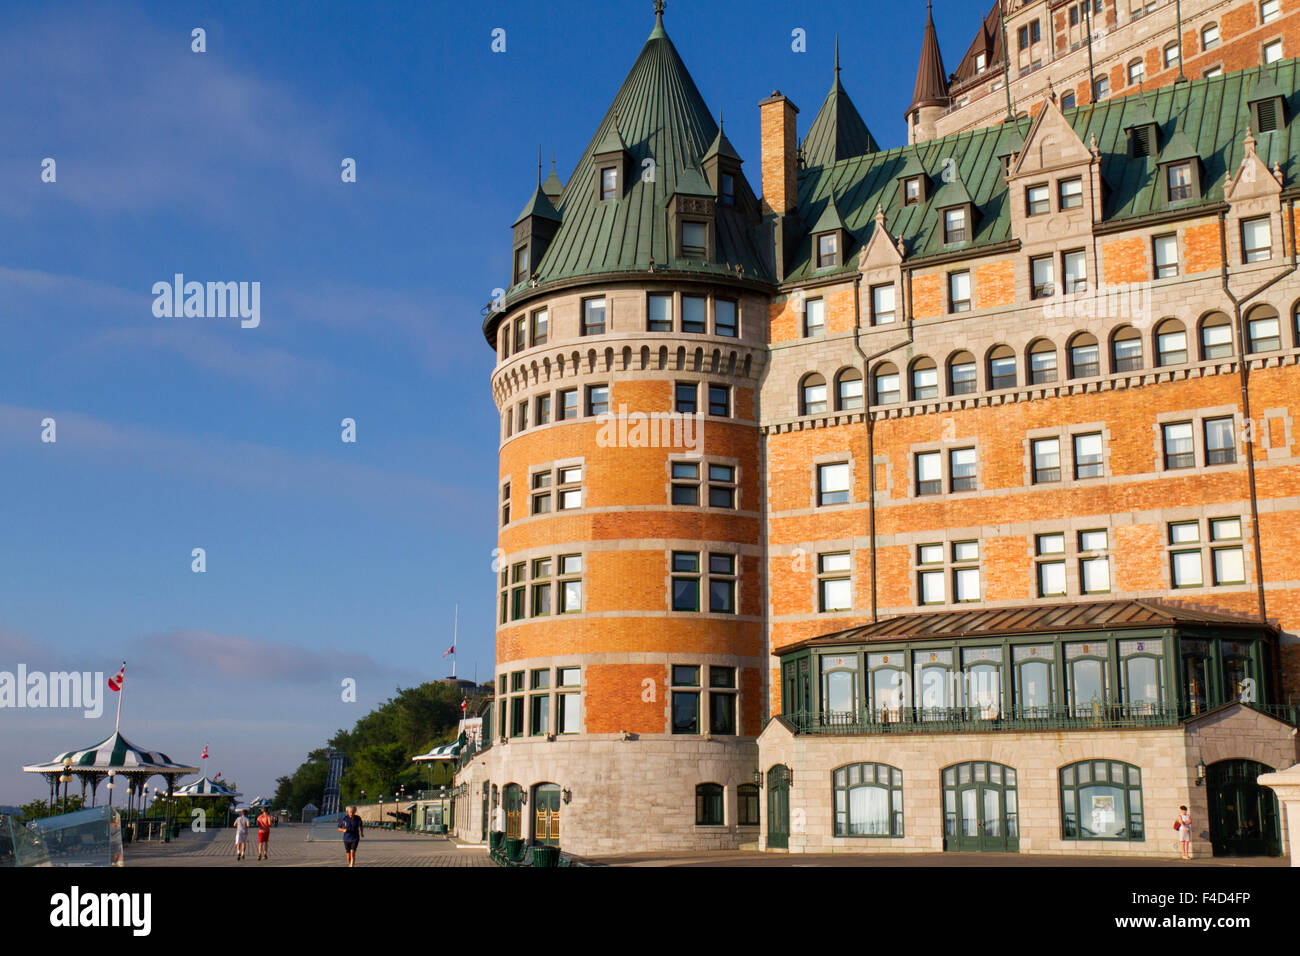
column 289, row 847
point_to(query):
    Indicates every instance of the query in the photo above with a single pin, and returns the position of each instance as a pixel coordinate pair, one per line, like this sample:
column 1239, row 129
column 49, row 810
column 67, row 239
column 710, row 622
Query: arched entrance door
column 546, row 814
column 778, row 808
column 1243, row 815
column 512, row 797
column 980, row 808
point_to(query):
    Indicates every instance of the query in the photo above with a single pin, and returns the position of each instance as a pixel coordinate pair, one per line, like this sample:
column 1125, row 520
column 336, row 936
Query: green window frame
column 685, row 703
column 747, row 805
column 1101, row 799
column 685, row 588
column 868, row 800
column 709, row 805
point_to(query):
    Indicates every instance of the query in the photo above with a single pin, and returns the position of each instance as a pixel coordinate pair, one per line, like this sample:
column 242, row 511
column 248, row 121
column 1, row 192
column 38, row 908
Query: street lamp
column 65, row 779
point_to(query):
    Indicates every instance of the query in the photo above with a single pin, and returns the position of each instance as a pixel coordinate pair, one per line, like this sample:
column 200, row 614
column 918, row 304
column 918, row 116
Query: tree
column 40, row 809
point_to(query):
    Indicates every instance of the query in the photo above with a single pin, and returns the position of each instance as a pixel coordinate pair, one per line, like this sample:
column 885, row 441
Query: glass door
column 546, row 814
column 778, row 808
column 1243, row 815
column 981, row 809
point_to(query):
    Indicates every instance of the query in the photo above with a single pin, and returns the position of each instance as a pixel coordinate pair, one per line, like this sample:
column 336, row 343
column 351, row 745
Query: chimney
column 780, row 162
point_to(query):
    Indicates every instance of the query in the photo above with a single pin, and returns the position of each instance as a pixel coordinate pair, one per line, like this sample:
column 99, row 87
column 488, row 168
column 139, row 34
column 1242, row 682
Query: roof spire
column 837, row 56
column 539, row 164
column 931, row 80
column 659, row 30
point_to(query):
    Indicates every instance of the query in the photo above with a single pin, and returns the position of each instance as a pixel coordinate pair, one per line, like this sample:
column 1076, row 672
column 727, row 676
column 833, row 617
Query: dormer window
column 695, row 240
column 1179, row 178
column 609, row 182
column 912, row 191
column 1142, row 141
column 728, row 191
column 827, row 250
column 1267, row 106
column 521, row 264
column 1266, row 116
column 981, row 63
column 954, row 225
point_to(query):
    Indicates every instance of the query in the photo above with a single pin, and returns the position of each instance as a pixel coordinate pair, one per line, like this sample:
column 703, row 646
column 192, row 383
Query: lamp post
column 66, row 778
column 110, row 790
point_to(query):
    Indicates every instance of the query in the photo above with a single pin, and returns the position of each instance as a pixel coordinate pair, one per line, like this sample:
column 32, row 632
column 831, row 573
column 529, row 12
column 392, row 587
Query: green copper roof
column 539, row 205
column 1209, row 115
column 658, row 114
column 1178, row 147
column 721, row 146
column 830, row 217
column 951, row 193
column 1264, row 87
column 838, row 131
column 553, row 187
column 1138, row 113
column 911, row 164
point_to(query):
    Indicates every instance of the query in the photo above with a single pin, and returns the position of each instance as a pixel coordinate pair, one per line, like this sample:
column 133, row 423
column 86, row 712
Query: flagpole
column 120, row 691
column 454, row 628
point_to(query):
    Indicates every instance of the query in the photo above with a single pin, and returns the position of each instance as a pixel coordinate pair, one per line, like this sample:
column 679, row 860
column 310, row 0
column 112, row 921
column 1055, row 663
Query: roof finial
column 539, row 165
column 837, row 56
column 659, row 31
column 552, row 161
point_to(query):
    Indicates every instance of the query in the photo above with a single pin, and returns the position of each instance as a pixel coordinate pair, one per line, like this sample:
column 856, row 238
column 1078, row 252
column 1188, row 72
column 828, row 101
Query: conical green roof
column 540, row 206
column 721, row 146
column 659, row 115
column 1138, row 112
column 1264, row 87
column 830, row 217
column 1178, row 148
column 553, row 187
column 838, row 131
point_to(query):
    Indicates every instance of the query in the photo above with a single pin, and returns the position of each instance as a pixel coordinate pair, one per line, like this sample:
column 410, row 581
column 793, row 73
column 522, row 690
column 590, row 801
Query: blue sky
column 325, row 560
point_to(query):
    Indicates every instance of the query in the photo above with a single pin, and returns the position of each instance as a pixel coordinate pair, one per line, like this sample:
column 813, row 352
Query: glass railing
column 91, row 837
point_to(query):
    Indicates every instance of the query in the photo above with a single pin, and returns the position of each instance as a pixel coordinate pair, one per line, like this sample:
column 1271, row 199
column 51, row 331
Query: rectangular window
column 609, row 182
column 686, row 702
column 593, row 316
column 1047, row 460
column 659, row 313
column 954, row 225
column 930, row 582
column 1180, row 181
column 833, row 484
column 1071, row 193
column 814, row 317
column 568, row 708
column 541, row 503
column 827, row 254
column 724, row 318
column 521, row 415
column 1042, row 368
column 1228, row 562
column 521, row 332
column 570, row 586
column 1038, row 200
column 1265, row 334
column 686, row 398
column 505, row 503
column 1171, row 55
column 929, row 473
column 834, row 587
column 569, row 492
column 694, row 314
column 1220, row 448
column 966, row 572
column 543, row 406
column 521, row 264
column 1256, row 240
column 541, row 602
column 961, row 469
column 1179, row 447
column 1051, row 572
column 1094, row 562
column 1075, row 266
column 722, row 584
column 959, row 292
column 1166, row 256
column 720, row 401
column 541, row 714
column 685, row 483
column 597, row 399
column 912, row 191
column 1185, row 564
column 1210, row 37
column 568, row 402
column 882, row 304
column 722, row 701
column 1171, row 347
column 516, row 716
column 695, row 240
column 1272, row 51
column 722, row 486
column 1087, row 455
column 728, row 191
column 1270, row 10
column 1042, row 272
column 685, row 581
column 541, row 326
column 1101, row 88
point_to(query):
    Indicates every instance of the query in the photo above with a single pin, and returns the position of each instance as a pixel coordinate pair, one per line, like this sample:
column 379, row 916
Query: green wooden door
column 512, row 796
column 980, row 808
column 1243, row 815
column 778, row 808
column 546, row 814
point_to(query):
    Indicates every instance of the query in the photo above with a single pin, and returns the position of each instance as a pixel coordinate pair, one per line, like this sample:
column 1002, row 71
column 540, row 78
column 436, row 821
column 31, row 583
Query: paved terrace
column 289, row 847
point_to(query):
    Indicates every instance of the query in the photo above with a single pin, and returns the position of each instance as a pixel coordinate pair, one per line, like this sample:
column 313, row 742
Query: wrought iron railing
column 914, row 720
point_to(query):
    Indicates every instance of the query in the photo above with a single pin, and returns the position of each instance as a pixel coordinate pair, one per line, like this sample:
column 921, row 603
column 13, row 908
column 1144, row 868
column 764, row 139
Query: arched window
column 868, row 800
column 1171, row 343
column 1216, row 337
column 747, row 805
column 1042, row 362
column 1085, row 358
column 961, row 374
column 812, row 395
column 885, row 380
column 925, row 379
column 708, row 805
column 1002, row 367
column 1137, row 71
column 1209, row 36
column 1263, row 329
column 512, row 797
column 1126, row 349
column 848, row 389
column 1101, row 800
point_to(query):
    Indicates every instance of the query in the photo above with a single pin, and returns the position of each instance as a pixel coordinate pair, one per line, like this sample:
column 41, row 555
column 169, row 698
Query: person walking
column 264, row 835
column 353, row 830
column 1184, row 827
column 241, row 834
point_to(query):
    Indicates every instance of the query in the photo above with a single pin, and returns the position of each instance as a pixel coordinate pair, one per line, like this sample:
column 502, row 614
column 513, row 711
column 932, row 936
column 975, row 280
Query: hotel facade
column 940, row 498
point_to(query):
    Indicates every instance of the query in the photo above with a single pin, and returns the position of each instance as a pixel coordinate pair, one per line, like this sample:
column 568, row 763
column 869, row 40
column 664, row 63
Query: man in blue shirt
column 351, row 828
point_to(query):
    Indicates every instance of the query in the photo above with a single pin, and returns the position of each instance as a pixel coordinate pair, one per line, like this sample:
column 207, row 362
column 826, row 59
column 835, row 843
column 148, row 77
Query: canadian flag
column 205, row 752
column 115, row 683
column 450, row 650
column 463, row 704
column 218, row 776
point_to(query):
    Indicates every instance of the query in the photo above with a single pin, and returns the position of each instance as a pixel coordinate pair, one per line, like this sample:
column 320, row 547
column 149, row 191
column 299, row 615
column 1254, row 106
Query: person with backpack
column 1184, row 827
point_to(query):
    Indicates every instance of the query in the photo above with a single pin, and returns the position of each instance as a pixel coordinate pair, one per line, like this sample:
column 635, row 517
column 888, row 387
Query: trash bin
column 494, row 839
column 546, row 856
column 514, row 849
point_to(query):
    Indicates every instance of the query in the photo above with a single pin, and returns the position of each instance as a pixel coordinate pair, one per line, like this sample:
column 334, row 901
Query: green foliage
column 379, row 748
column 40, row 809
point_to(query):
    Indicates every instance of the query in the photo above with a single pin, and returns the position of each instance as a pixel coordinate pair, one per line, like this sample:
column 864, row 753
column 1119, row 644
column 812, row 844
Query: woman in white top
column 1185, row 832
column 241, row 835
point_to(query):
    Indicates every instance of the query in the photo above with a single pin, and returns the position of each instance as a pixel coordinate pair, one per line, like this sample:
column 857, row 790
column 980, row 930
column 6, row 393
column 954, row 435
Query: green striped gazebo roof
column 206, row 787
column 117, row 754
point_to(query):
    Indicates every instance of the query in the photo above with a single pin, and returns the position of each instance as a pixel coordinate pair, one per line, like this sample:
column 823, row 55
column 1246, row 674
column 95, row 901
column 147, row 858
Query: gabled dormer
column 1141, row 129
column 534, row 228
column 955, row 210
column 610, row 160
column 1180, row 171
column 692, row 205
column 1054, row 185
column 1267, row 105
column 913, row 181
column 721, row 164
column 830, row 237
column 1010, row 143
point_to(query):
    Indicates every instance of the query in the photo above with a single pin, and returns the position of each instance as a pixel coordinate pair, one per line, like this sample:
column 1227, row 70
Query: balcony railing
column 926, row 720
